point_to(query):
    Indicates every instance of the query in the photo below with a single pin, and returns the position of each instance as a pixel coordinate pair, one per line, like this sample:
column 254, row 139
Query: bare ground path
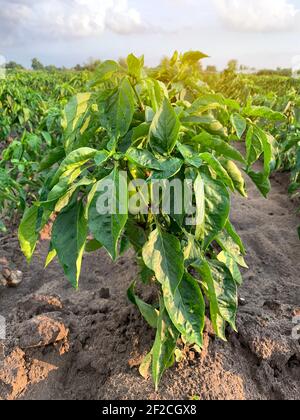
column 103, row 338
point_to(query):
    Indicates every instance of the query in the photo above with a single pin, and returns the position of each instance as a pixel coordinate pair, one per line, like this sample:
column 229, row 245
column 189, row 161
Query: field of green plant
column 64, row 136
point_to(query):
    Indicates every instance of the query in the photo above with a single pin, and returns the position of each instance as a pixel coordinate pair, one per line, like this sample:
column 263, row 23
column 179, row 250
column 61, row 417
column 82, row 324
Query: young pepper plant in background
column 134, row 123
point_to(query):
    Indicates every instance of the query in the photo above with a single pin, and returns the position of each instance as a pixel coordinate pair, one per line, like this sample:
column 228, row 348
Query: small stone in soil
column 242, row 301
column 15, row 279
column 104, row 293
column 6, row 273
column 3, row 282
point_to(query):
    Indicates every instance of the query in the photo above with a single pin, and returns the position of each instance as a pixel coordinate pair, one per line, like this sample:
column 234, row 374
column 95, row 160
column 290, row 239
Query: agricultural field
column 116, row 286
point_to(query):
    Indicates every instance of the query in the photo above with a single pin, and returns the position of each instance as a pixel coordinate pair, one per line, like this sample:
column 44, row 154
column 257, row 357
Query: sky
column 259, row 33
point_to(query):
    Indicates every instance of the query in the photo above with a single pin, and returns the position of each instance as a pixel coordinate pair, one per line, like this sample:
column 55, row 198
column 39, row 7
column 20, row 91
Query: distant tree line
column 232, row 67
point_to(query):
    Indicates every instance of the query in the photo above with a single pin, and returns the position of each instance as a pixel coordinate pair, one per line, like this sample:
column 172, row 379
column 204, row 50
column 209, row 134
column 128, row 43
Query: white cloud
column 258, row 15
column 56, row 19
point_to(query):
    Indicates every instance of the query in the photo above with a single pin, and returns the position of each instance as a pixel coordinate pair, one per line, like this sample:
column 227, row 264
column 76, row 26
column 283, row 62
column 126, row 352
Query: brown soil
column 64, row 344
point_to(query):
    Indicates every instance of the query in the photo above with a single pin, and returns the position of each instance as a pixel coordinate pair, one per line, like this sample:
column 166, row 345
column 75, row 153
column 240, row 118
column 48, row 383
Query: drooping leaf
column 203, row 268
column 231, row 247
column 226, row 292
column 267, row 149
column 221, row 290
column 234, row 235
column 261, row 181
column 164, row 345
column 107, row 223
column 254, row 147
column 232, row 266
column 51, row 255
column 186, row 308
column 239, row 124
column 69, row 237
column 214, row 164
column 27, row 234
column 135, row 233
column 236, row 175
column 148, row 311
column 163, row 255
column 217, row 207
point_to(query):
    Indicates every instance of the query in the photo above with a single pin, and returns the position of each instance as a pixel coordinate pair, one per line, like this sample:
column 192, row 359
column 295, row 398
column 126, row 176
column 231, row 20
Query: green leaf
column 118, row 111
column 157, row 93
column 220, row 146
column 186, row 308
column 203, row 268
column 239, row 124
column 27, row 234
column 267, row 149
column 107, row 227
column 135, row 134
column 92, row 246
column 189, row 155
column 143, row 158
column 226, row 292
column 163, row 255
column 234, row 235
column 74, row 115
column 101, row 157
column 135, row 233
column 54, row 156
column 254, row 147
column 50, row 257
column 214, row 164
column 217, row 208
column 74, row 160
column 192, row 57
column 200, row 204
column 105, row 71
column 221, row 290
column 264, row 112
column 206, row 103
column 147, row 311
column 209, row 123
column 169, row 168
column 231, row 247
column 135, row 66
column 68, row 239
column 236, row 176
column 164, row 345
column 192, row 250
column 226, row 259
column 164, row 130
column 261, row 181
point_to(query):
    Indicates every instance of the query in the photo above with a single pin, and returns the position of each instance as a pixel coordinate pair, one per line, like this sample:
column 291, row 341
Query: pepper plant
column 131, row 127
